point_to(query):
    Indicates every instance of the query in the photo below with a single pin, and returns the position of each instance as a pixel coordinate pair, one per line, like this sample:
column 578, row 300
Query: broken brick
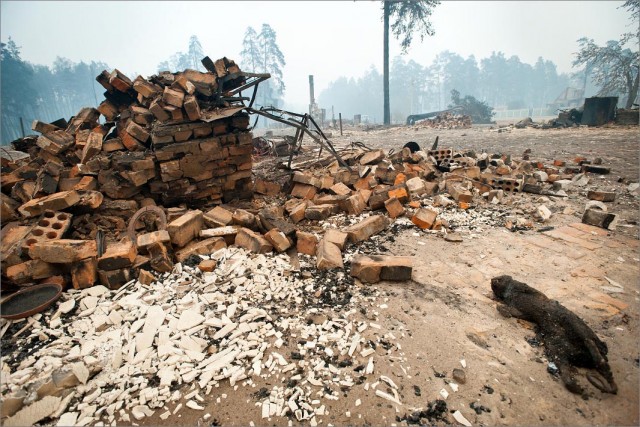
column 207, row 265
column 303, row 191
column 148, row 239
column 340, row 189
column 307, row 243
column 54, row 202
column 278, row 240
column 203, row 247
column 337, row 237
column 244, row 219
column 328, row 256
column 252, row 241
column 320, row 212
column 145, row 277
column 186, row 228
column 424, row 218
column 31, row 270
column 602, row 196
column 372, row 157
column 363, row 230
column 118, row 255
column 63, row 250
column 84, row 273
column 217, row 217
column 373, row 268
column 266, row 187
column 159, row 260
column 114, row 279
column 394, row 207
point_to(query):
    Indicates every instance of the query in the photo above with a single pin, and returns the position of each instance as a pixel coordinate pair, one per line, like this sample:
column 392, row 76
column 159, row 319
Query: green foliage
column 196, row 53
column 261, row 54
column 32, row 92
column 250, row 54
column 182, row 60
column 479, row 111
column 613, row 66
column 410, row 17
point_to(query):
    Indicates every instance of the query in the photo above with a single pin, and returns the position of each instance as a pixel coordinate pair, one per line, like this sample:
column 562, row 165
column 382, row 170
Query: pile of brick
column 446, row 120
column 415, row 185
column 171, row 138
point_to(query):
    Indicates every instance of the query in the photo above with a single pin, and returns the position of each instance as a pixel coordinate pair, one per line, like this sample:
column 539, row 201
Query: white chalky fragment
column 387, row 396
column 193, row 405
column 457, row 415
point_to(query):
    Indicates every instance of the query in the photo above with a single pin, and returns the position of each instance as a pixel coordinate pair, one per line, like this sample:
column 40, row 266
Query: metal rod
column 340, row 116
column 22, row 127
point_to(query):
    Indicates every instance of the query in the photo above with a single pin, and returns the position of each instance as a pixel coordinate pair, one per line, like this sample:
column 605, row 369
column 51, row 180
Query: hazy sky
column 327, row 39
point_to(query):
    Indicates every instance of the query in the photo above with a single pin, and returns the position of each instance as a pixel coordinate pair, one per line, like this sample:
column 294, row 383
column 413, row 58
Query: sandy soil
column 447, row 313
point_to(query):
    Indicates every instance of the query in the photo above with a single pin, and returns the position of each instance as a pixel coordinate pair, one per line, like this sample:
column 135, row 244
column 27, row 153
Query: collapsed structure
column 189, row 295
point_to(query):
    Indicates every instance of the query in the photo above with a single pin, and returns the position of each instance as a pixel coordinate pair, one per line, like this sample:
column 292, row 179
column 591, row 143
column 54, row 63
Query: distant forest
column 31, row 91
column 501, row 82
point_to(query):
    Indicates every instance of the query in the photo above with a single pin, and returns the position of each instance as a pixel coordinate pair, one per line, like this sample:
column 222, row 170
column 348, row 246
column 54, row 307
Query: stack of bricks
column 170, row 139
column 173, row 137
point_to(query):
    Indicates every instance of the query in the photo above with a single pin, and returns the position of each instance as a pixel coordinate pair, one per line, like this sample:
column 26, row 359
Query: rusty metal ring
column 131, row 228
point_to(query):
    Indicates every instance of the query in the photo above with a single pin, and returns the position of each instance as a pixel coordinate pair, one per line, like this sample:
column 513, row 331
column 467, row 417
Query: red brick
column 252, row 241
column 186, row 228
column 307, row 243
column 394, row 207
column 118, row 255
column 203, row 247
column 207, row 265
column 328, row 256
column 304, row 191
column 424, row 218
column 373, row 268
column 63, row 250
column 363, row 230
column 84, row 273
column 148, row 239
column 400, row 193
column 337, row 237
column 278, row 240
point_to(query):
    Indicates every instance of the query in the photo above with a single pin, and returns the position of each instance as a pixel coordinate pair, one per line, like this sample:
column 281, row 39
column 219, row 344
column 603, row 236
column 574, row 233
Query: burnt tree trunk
column 387, row 108
column 633, row 91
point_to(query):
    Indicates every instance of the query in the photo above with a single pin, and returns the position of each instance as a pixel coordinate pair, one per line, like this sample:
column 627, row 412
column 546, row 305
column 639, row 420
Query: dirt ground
column 447, row 314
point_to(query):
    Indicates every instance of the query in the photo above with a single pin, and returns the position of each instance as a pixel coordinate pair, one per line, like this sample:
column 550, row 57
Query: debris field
column 202, row 286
